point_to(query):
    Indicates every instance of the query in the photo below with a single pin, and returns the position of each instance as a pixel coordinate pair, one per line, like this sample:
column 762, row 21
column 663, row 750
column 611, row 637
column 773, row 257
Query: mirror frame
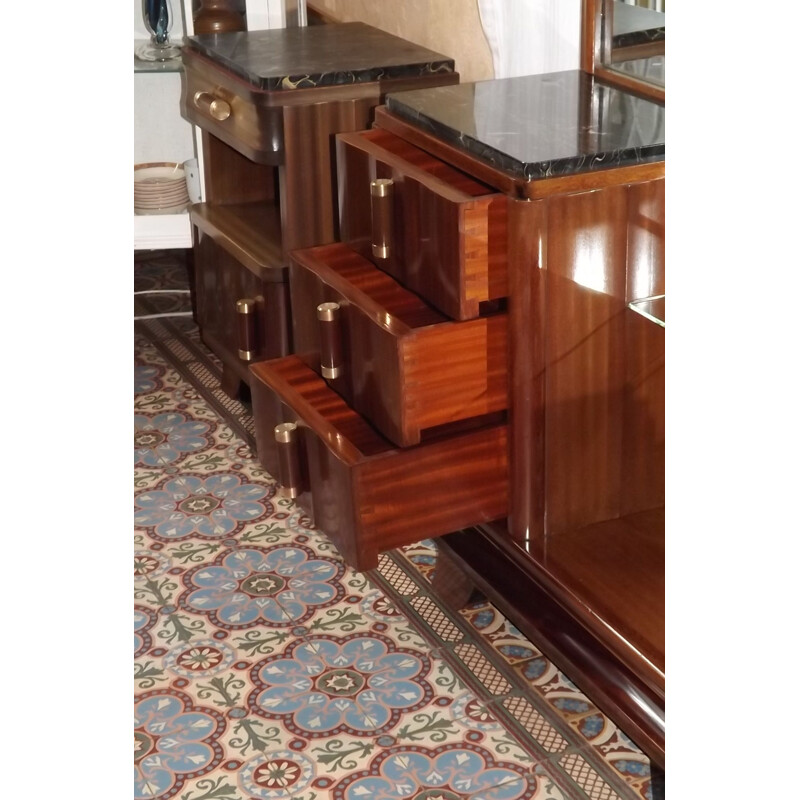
column 593, row 49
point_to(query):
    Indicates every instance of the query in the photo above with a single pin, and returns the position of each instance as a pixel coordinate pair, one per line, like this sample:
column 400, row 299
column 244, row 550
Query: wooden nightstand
column 269, row 104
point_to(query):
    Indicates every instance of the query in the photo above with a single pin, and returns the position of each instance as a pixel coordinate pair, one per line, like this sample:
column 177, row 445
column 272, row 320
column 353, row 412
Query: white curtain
column 528, row 37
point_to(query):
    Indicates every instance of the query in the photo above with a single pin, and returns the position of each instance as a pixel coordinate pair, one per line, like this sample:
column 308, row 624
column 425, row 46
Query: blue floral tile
column 355, row 684
column 173, row 740
column 143, row 621
column 450, row 772
column 147, row 378
column 193, row 505
column 278, row 586
column 164, row 438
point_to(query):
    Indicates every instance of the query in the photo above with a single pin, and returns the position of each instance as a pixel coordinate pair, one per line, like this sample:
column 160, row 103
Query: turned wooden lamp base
column 217, row 16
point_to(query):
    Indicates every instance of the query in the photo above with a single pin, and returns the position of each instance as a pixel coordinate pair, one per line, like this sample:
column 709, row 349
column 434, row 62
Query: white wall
column 450, row 27
column 160, row 133
column 529, row 37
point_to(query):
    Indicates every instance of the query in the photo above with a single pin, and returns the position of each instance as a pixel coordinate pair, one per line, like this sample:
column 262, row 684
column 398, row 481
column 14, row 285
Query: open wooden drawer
column 365, row 494
column 438, row 231
column 403, row 365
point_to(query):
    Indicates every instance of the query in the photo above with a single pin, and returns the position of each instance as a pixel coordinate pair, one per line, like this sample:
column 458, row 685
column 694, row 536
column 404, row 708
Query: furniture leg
column 230, row 383
column 451, row 583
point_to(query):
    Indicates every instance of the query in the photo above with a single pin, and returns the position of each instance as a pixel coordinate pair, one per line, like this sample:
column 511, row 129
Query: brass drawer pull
column 217, row 109
column 330, row 340
column 382, row 197
column 246, row 328
column 288, row 444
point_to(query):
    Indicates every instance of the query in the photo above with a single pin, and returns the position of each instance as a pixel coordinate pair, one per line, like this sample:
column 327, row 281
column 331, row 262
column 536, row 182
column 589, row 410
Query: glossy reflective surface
column 652, row 308
column 540, row 126
column 633, row 36
column 318, row 55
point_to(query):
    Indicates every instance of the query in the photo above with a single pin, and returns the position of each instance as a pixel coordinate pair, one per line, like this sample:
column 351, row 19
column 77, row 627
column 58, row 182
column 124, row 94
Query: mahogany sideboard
column 481, row 358
column 578, row 561
column 268, row 104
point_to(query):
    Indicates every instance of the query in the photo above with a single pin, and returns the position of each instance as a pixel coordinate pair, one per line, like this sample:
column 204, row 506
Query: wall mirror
column 624, row 44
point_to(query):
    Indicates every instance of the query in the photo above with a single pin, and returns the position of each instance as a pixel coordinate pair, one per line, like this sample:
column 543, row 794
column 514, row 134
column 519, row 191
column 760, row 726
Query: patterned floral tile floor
column 266, row 669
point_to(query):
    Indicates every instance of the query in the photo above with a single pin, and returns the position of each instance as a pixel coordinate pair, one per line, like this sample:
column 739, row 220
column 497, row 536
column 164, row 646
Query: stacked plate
column 159, row 188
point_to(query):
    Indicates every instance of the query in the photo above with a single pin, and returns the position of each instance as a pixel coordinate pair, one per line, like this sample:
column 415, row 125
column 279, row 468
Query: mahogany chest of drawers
column 389, row 422
column 484, row 350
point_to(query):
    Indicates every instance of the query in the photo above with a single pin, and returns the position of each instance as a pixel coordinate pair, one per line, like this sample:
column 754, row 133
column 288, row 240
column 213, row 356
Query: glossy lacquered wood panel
column 252, row 126
column 232, row 179
column 447, row 232
column 221, row 281
column 250, row 232
column 564, row 626
column 404, row 366
column 308, row 172
column 365, row 493
column 618, row 565
column 580, row 394
column 586, row 523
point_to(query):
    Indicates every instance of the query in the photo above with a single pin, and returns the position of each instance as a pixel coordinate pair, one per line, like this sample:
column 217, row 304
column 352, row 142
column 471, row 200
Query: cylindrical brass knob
column 216, row 108
column 382, row 197
column 246, row 328
column 329, row 316
column 289, row 471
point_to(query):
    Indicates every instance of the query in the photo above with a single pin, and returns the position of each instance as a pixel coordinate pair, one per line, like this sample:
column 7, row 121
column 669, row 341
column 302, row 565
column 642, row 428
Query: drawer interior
column 402, row 364
column 420, row 161
column 435, row 229
column 363, row 492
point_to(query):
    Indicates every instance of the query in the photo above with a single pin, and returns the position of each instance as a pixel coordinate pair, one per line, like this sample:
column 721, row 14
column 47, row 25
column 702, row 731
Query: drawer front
column 365, row 494
column 242, row 318
column 436, row 230
column 396, row 361
column 230, row 110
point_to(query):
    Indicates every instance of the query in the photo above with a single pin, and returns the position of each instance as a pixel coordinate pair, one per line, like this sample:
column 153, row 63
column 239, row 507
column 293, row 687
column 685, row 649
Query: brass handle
column 246, row 328
column 218, row 109
column 289, row 472
column 329, row 316
column 382, row 204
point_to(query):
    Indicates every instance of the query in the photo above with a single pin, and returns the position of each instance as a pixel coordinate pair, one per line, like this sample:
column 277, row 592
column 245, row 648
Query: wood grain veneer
column 449, row 234
column 250, row 232
column 587, row 372
column 406, row 367
column 365, row 493
column 221, row 281
column 565, row 626
column 270, row 176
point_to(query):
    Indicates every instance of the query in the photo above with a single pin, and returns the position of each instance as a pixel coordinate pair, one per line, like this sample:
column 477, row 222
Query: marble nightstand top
column 539, row 126
column 318, row 55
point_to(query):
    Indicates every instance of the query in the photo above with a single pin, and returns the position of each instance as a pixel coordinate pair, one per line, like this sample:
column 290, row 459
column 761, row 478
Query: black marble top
column 539, row 126
column 318, row 55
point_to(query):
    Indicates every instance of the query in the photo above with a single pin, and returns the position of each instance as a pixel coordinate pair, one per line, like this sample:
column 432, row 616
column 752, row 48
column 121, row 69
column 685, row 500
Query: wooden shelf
column 250, row 232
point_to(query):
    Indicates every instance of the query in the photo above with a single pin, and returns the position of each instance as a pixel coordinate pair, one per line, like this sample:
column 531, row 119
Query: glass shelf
column 651, row 308
column 174, row 65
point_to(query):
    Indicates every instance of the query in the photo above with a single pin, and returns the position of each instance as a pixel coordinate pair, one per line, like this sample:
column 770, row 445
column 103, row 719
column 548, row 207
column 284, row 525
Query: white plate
column 177, row 196
column 169, row 210
column 158, row 172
